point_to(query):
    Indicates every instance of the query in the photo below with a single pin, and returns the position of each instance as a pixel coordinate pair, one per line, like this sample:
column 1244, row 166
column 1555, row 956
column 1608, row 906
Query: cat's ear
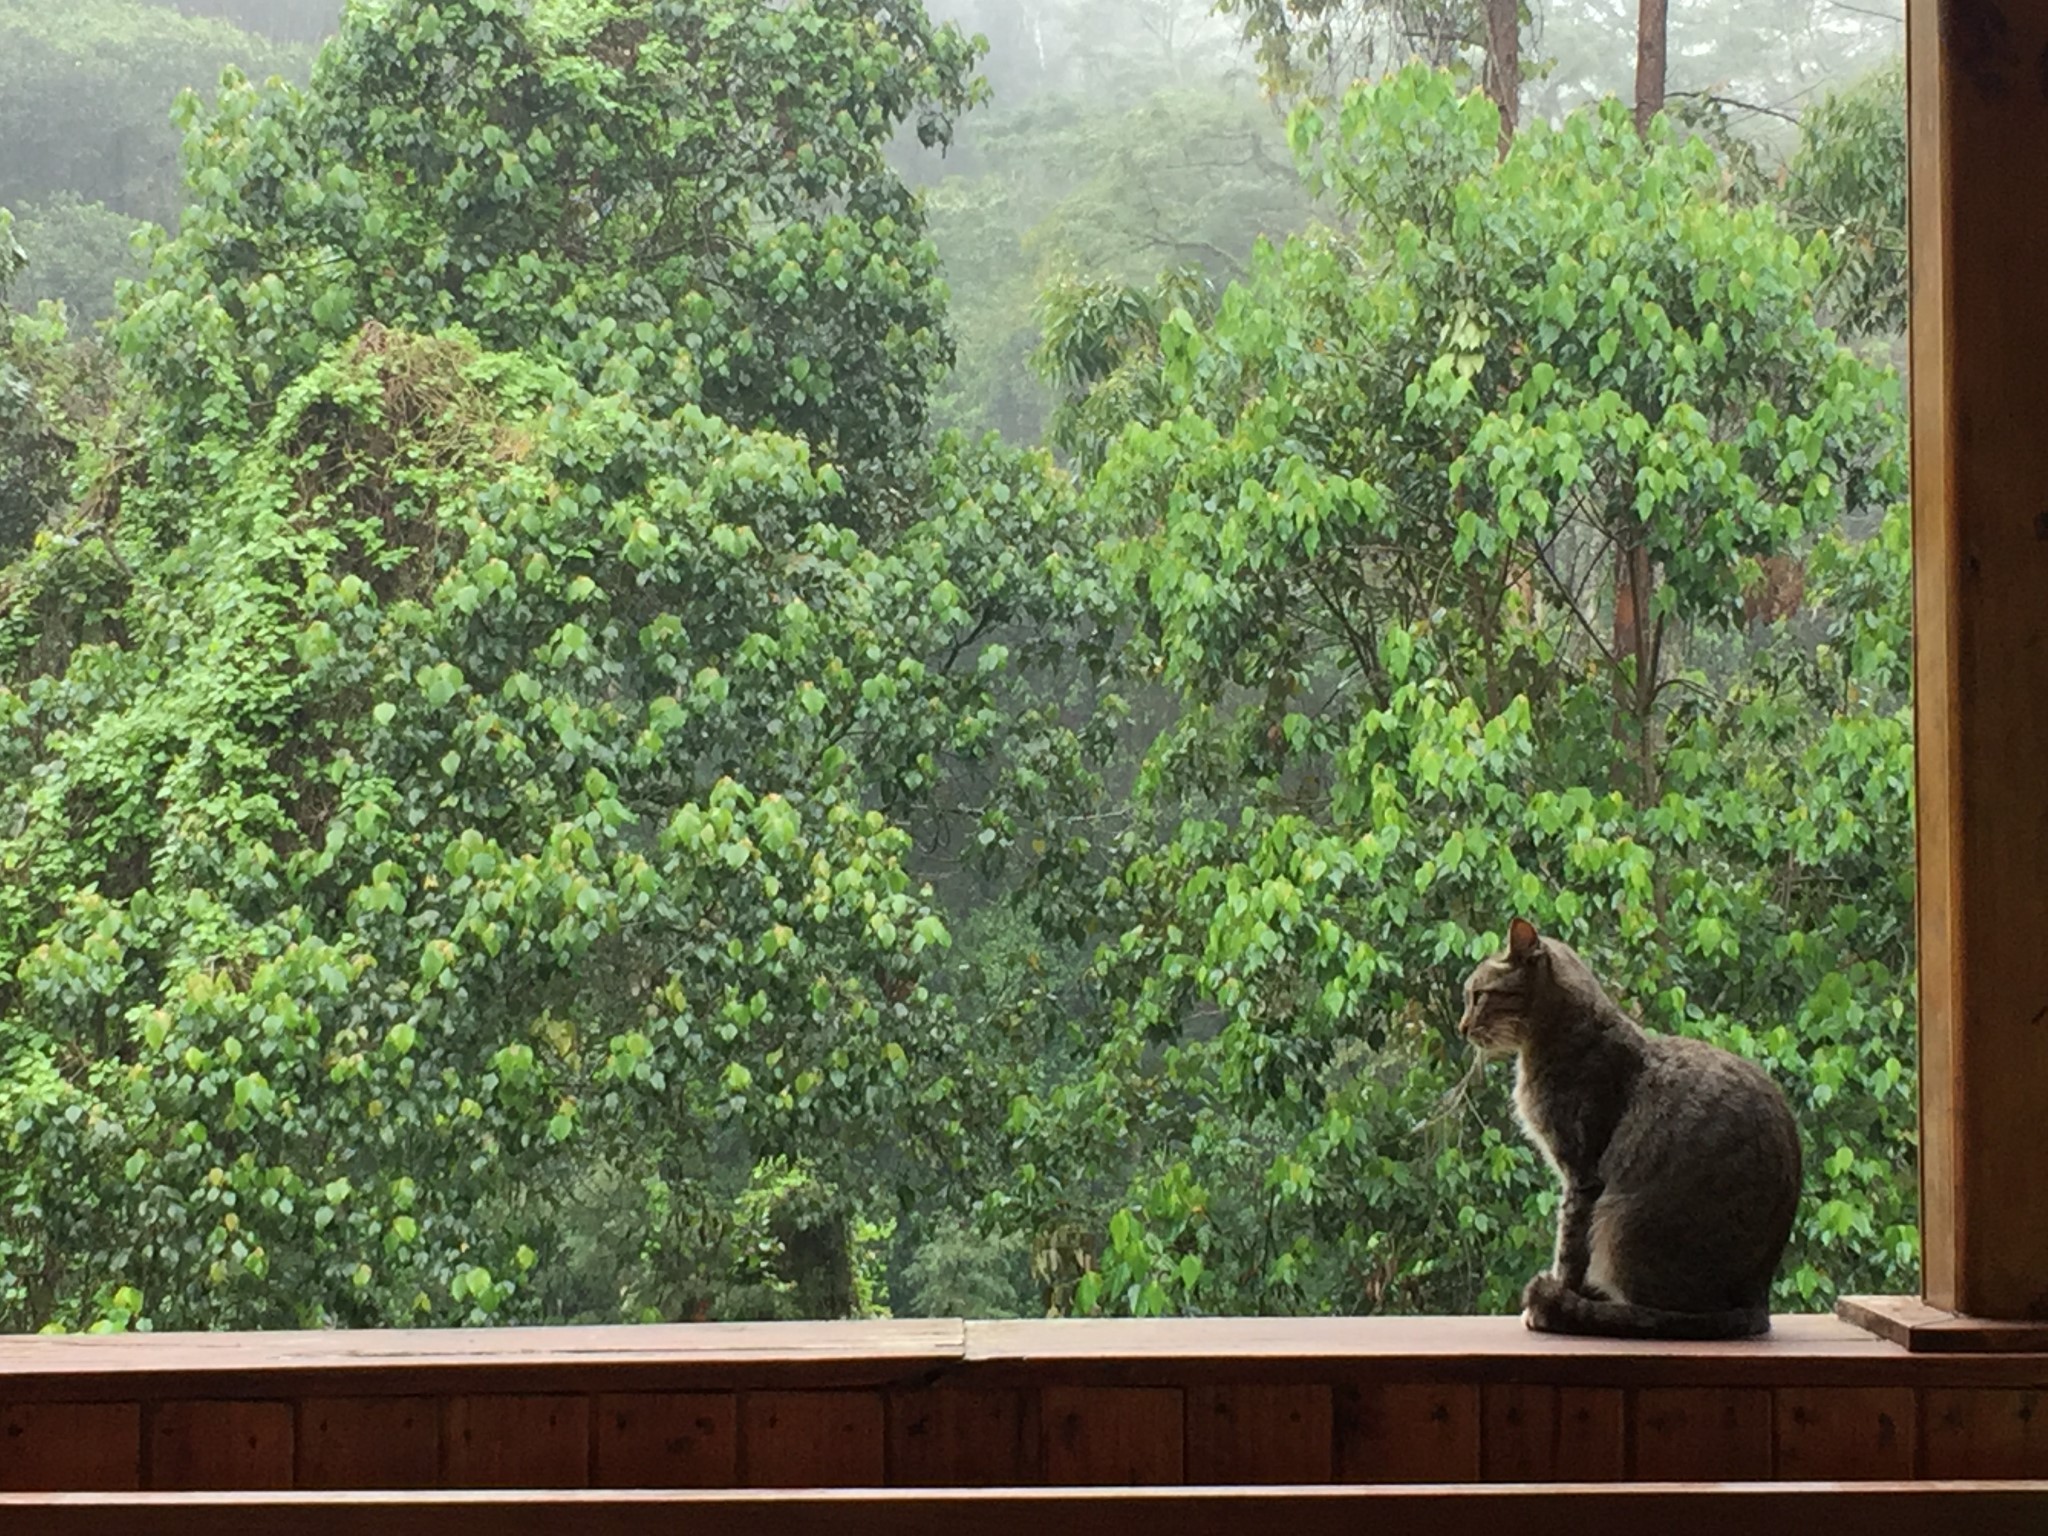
column 1523, row 941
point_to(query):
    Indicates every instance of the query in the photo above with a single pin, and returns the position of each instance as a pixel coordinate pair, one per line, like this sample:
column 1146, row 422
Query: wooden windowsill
column 732, row 1356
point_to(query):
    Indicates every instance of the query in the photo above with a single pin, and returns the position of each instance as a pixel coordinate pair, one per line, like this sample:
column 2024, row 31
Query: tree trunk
column 1650, row 39
column 1504, row 64
column 1635, row 578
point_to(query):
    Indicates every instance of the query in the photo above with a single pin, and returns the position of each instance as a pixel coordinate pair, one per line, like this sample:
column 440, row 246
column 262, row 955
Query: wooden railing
column 935, row 1404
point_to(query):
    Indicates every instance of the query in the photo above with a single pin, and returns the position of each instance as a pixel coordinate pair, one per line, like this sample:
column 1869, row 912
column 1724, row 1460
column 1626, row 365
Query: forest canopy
column 553, row 765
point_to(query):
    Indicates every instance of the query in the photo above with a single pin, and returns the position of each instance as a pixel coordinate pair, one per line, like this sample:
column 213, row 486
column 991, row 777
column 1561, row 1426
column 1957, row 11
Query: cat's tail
column 1564, row 1311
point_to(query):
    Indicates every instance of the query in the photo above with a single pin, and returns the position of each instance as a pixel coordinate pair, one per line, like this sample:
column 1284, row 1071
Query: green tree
column 446, row 764
column 1367, row 544
column 1848, row 180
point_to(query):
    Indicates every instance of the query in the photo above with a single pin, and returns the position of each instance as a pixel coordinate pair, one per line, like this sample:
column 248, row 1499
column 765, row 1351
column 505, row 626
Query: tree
column 1848, row 180
column 447, row 759
column 1378, row 445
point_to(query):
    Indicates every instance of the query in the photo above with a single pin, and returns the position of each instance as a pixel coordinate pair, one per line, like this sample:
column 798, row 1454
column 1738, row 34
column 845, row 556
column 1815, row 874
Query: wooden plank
column 1407, row 1432
column 1977, row 143
column 667, row 1440
column 811, row 1440
column 207, row 1444
column 80, row 1446
column 1127, row 1436
column 1553, row 1434
column 450, row 1361
column 1699, row 1434
column 1912, row 1324
column 1984, row 1434
column 369, row 1442
column 1844, row 1434
column 1799, row 1350
column 516, row 1440
column 1260, row 1434
column 959, row 1437
column 1818, row 1351
column 1868, row 1509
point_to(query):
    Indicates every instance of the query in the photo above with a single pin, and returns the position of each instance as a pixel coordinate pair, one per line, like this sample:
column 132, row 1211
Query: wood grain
column 1407, row 1432
column 1535, row 1434
column 1868, row 1509
column 1259, row 1434
column 666, row 1440
column 811, row 1440
column 1700, row 1434
column 1846, row 1435
column 1977, row 137
column 514, row 1440
column 958, row 1437
column 70, row 1446
column 1128, row 1436
column 1984, row 1434
column 211, row 1444
column 369, row 1442
column 450, row 1361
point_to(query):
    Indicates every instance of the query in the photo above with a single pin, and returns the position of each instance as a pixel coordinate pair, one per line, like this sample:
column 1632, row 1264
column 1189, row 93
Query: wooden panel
column 811, row 1440
column 70, row 1445
column 1259, row 1434
column 369, row 1442
column 957, row 1437
column 1554, row 1434
column 1705, row 1434
column 505, row 1440
column 1844, row 1433
column 218, row 1445
column 1984, row 1434
column 1407, row 1433
column 1111, row 1435
column 667, row 1440
column 1868, row 1509
column 1978, row 142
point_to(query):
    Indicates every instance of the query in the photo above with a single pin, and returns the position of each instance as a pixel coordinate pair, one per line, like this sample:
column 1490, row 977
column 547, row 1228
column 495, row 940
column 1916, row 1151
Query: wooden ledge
column 1707, row 1509
column 914, row 1353
column 1912, row 1324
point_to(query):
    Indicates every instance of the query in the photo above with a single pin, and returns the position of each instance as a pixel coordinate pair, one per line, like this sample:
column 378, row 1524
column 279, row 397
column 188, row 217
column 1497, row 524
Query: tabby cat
column 1680, row 1162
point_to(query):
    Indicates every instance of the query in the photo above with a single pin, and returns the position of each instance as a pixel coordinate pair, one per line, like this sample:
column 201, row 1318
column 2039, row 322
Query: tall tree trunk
column 1504, row 65
column 1635, row 579
column 1651, row 32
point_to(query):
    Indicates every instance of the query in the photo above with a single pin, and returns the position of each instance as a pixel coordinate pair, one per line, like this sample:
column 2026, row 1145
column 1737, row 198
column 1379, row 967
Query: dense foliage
column 536, row 782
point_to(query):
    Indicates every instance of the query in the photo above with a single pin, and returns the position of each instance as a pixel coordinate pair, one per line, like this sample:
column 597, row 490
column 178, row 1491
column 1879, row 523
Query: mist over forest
column 703, row 659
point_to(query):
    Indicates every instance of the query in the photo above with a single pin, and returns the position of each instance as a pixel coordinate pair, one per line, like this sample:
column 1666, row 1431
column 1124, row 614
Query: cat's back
column 1722, row 1109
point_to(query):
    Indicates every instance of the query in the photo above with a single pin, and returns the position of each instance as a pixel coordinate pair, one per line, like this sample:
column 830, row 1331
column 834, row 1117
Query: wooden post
column 1978, row 129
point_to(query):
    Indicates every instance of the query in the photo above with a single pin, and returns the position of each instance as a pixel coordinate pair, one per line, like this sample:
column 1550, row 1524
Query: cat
column 1680, row 1162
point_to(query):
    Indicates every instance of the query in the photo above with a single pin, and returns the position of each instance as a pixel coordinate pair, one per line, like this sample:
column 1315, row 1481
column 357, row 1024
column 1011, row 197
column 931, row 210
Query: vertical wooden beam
column 1978, row 142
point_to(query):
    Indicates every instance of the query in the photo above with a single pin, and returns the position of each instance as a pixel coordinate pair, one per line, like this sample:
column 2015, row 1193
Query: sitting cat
column 1680, row 1162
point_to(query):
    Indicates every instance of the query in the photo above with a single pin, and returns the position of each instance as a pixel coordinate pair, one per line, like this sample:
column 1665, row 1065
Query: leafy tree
column 457, row 744
column 1367, row 545
column 1848, row 179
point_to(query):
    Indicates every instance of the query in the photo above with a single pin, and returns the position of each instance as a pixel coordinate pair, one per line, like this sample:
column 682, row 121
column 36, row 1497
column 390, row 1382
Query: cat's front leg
column 1575, row 1233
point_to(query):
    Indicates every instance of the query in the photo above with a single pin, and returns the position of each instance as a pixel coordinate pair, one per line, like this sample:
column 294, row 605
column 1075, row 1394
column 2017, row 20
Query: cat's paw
column 1542, row 1300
